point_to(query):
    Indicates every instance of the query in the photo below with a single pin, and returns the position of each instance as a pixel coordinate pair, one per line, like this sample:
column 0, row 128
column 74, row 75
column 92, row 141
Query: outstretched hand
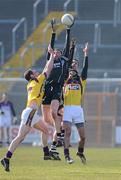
column 53, row 25
column 85, row 50
column 50, row 50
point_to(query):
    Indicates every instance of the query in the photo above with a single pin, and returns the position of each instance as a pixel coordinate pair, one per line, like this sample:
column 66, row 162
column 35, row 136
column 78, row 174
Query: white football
column 67, row 19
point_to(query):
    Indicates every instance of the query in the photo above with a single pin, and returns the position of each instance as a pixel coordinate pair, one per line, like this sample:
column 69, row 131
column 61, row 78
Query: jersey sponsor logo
column 56, row 65
column 73, row 87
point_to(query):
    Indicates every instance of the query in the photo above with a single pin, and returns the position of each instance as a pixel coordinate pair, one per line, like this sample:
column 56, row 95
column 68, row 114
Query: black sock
column 46, row 151
column 58, row 135
column 54, row 143
column 66, row 152
column 9, row 155
column 81, row 150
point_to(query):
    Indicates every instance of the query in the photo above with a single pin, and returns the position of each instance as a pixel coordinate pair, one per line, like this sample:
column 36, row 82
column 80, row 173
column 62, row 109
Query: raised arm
column 85, row 63
column 67, row 43
column 49, row 64
column 53, row 36
column 71, row 52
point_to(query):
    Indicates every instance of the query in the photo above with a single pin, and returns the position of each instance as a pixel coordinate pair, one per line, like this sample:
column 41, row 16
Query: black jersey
column 61, row 66
column 56, row 79
column 58, row 72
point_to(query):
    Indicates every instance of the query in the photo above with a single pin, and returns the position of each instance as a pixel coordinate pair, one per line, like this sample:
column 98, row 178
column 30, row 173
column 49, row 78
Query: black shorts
column 52, row 91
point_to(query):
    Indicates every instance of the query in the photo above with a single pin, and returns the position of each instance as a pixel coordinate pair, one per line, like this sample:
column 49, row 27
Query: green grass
column 28, row 164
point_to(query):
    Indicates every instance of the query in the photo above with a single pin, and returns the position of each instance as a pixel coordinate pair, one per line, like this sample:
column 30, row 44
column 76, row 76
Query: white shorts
column 29, row 117
column 5, row 121
column 73, row 114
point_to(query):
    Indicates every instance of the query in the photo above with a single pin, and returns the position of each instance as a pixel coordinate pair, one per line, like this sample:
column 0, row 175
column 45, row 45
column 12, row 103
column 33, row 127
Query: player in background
column 53, row 90
column 7, row 116
column 30, row 117
column 73, row 110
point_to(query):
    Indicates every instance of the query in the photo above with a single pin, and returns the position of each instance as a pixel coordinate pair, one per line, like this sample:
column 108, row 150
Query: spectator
column 7, row 115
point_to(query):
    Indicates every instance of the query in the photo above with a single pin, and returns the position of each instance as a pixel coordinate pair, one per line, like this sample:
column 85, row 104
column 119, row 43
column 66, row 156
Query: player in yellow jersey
column 29, row 117
column 73, row 111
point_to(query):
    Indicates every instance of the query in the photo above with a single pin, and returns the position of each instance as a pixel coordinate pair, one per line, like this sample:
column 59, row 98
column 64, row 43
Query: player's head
column 30, row 74
column 57, row 53
column 75, row 64
column 73, row 74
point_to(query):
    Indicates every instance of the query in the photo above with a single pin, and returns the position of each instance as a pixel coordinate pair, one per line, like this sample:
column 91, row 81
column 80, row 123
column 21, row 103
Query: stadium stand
column 35, row 38
column 103, row 58
column 14, row 10
column 97, row 10
column 106, row 57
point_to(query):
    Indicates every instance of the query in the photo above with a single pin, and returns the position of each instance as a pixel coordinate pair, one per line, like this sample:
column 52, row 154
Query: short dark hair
column 27, row 74
column 56, row 49
column 73, row 70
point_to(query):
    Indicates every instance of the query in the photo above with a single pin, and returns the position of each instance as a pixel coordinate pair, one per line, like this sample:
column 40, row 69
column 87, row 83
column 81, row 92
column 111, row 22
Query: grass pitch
column 28, row 164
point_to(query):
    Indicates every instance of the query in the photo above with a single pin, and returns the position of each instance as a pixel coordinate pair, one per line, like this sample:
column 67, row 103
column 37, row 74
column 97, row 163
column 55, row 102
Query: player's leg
column 54, row 111
column 57, row 134
column 48, row 119
column 78, row 117
column 81, row 143
column 23, row 131
column 67, row 123
column 42, row 126
column 67, row 128
column 60, row 142
column 26, row 121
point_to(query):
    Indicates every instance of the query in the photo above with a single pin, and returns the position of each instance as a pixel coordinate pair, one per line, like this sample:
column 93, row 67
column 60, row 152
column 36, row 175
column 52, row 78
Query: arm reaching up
column 53, row 36
column 72, row 48
column 49, row 64
column 85, row 50
column 85, row 63
column 67, row 43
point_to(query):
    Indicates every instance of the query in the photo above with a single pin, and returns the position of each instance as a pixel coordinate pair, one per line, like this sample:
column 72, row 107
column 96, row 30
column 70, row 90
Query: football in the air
column 67, row 19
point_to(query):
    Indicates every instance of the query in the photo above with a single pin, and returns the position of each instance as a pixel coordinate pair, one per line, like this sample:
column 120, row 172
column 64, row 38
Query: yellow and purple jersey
column 73, row 92
column 35, row 89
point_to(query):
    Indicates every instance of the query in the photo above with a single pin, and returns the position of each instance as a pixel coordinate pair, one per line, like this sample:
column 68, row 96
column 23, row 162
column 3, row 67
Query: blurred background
column 24, row 36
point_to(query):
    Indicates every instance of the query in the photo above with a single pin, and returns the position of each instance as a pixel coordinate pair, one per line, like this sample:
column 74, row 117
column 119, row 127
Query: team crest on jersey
column 73, row 87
